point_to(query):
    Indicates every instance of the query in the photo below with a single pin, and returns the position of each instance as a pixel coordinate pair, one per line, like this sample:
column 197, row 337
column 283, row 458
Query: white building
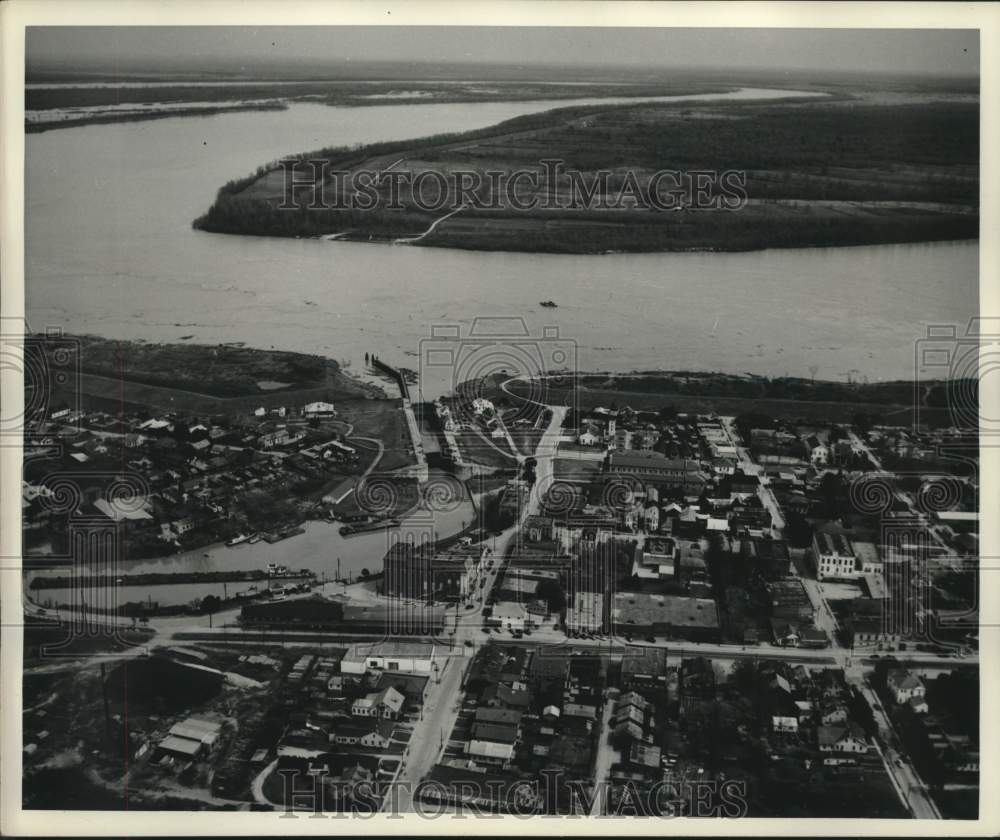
column 834, row 556
column 319, row 409
column 405, row 657
column 905, row 686
column 387, row 703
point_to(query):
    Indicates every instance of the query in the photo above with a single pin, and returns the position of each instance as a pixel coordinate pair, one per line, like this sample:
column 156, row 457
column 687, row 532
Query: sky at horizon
column 295, row 49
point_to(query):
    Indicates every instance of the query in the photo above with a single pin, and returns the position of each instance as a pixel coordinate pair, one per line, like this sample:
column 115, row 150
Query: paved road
column 907, row 781
column 443, row 701
column 257, row 785
column 607, row 755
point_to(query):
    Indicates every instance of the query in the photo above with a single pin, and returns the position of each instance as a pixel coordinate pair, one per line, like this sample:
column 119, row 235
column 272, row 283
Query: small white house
column 319, row 409
column 905, row 686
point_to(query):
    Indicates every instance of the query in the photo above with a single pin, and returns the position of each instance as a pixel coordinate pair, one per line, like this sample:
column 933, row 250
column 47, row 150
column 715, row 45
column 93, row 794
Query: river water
column 110, row 251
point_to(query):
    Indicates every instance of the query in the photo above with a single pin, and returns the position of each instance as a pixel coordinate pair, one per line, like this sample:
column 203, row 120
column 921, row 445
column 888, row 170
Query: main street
column 824, row 617
column 443, row 700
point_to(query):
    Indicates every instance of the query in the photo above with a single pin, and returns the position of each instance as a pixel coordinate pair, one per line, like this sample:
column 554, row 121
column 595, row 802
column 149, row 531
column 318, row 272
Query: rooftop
column 676, row 610
column 494, row 732
column 508, row 717
column 368, row 650
column 834, row 544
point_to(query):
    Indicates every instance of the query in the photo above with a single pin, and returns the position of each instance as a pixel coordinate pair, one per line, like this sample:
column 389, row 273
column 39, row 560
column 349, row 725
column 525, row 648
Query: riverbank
column 890, row 402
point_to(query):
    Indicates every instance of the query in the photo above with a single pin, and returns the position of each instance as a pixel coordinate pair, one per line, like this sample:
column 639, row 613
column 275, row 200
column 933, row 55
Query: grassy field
column 384, row 421
column 486, row 451
column 203, row 379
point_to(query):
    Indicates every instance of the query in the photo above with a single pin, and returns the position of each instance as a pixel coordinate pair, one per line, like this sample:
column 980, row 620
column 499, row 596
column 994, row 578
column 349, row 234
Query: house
column 783, row 723
column 379, row 736
column 504, row 696
column 833, row 714
column 918, row 705
column 319, row 409
column 499, row 717
column 375, row 734
column 492, row 743
column 387, row 703
column 904, row 686
column 784, row 633
column 803, row 710
column 817, row 451
column 412, row 686
column 842, row 739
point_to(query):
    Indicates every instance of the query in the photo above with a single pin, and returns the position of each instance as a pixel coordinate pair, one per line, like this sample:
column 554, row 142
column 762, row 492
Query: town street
column 607, row 755
column 444, row 695
column 904, row 776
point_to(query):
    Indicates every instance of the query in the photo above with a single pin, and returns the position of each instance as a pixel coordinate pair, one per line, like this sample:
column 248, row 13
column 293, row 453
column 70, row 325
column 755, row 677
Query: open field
column 381, row 420
column 844, row 170
column 202, row 379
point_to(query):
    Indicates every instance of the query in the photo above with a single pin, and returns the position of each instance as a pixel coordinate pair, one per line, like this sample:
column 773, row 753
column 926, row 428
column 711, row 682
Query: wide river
column 110, row 251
